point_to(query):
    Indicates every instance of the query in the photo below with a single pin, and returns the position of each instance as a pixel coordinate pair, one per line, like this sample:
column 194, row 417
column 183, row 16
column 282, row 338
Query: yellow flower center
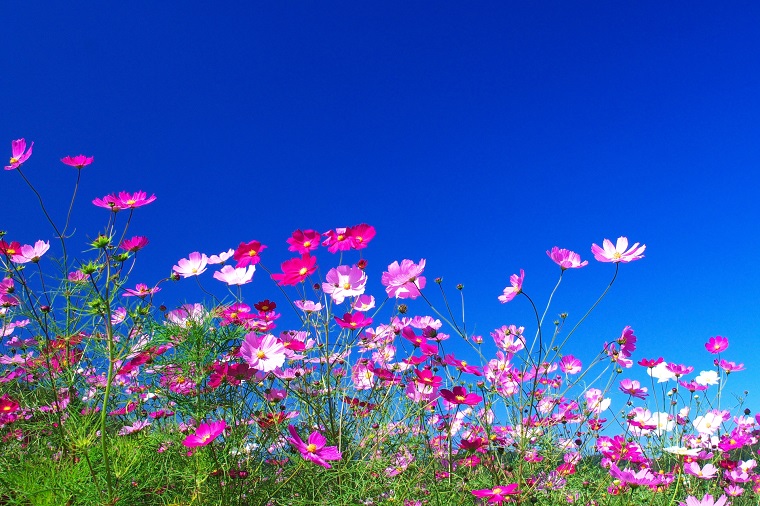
column 131, row 202
column 460, row 398
column 261, row 354
column 306, row 244
column 14, row 160
column 346, row 286
column 252, row 253
column 303, row 271
column 341, row 237
column 311, row 448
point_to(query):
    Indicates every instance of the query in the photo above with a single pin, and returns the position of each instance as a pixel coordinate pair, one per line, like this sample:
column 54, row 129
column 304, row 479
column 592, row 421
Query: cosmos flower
column 314, row 449
column 618, row 252
column 78, row 161
column 205, row 433
column 716, row 344
column 403, row 281
column 194, row 265
column 566, row 259
column 235, row 276
column 263, row 353
column 511, row 292
column 31, row 253
column 17, row 154
column 707, row 500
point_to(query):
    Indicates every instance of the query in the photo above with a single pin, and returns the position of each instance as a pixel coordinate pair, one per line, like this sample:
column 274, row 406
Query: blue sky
column 474, row 135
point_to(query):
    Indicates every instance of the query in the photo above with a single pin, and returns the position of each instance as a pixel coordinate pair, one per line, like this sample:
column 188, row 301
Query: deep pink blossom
column 650, row 362
column 134, row 244
column 314, row 449
column 462, row 365
column 304, row 241
column 633, row 388
column 570, row 365
column 248, row 253
column 140, row 290
column 205, row 433
column 31, row 253
column 360, row 235
column 716, row 344
column 78, row 161
column 337, row 240
column 618, row 253
column 134, row 200
column 497, row 495
column 459, row 395
column 296, row 270
column 679, row 369
column 18, row 156
column 644, row 477
column 404, row 281
column 353, row 321
column 566, row 259
column 729, row 366
column 512, row 291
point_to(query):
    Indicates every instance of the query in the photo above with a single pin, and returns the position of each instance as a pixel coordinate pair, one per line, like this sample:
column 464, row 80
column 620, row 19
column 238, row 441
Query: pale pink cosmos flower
column 364, row 303
column 729, row 366
column 187, row 315
column 618, row 253
column 194, row 265
column 707, row 500
column 263, row 353
column 570, row 365
column 314, row 449
column 221, row 257
column 135, row 427
column 17, row 154
column 404, row 281
column 716, row 344
column 31, row 253
column 644, row 477
column 511, row 292
column 344, row 281
column 566, row 259
column 308, row 306
column 205, row 433
column 78, row 161
column 235, row 276
column 708, row 472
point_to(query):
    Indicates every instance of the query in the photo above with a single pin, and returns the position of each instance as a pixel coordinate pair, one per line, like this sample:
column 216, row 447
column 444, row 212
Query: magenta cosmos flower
column 194, row 265
column 134, row 200
column 353, row 321
column 459, row 395
column 497, row 494
column 618, row 252
column 511, row 292
column 707, row 500
column 716, row 344
column 315, row 449
column 248, row 253
column 404, row 281
column 140, row 290
column 633, row 388
column 296, row 270
column 263, row 353
column 31, row 253
column 566, row 259
column 344, row 281
column 78, row 161
column 205, row 433
column 304, row 241
column 134, row 244
column 17, row 154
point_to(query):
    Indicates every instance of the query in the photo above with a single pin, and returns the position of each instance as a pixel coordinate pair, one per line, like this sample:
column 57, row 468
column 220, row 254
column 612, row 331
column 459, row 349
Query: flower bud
column 102, row 241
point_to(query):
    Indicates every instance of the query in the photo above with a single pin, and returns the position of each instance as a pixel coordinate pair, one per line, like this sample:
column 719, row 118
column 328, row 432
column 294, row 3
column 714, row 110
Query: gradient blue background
column 476, row 135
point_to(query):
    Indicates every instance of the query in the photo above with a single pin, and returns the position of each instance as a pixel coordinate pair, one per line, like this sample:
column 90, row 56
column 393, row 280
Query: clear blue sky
column 475, row 135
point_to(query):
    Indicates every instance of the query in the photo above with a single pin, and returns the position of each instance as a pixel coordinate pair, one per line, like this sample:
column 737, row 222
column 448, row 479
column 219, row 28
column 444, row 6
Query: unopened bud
column 403, row 308
column 460, row 286
column 101, row 241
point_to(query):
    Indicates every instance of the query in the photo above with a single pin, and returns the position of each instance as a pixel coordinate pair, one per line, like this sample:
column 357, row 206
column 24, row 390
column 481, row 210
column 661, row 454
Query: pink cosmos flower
column 78, row 161
column 337, row 240
column 566, row 259
column 296, row 270
column 459, row 395
column 633, row 388
column 353, row 321
column 679, row 369
column 707, row 500
column 235, row 276
column 17, row 154
column 404, row 281
column 263, row 353
column 344, row 281
column 205, row 433
column 511, row 292
column 498, row 494
column 248, row 253
column 134, row 200
column 108, row 202
column 315, row 450
column 221, row 257
column 618, row 252
column 194, row 265
column 308, row 306
column 304, row 241
column 645, row 477
column 570, row 365
column 31, row 253
column 729, row 366
column 360, row 235
column 134, row 244
column 141, row 290
column 716, row 344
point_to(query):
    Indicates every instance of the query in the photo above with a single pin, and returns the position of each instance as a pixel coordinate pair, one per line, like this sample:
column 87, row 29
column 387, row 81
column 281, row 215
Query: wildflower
column 716, row 344
column 497, row 494
column 462, row 365
column 221, row 257
column 566, row 259
column 337, row 239
column 661, row 372
column 235, row 276
column 78, row 161
column 205, row 433
column 134, row 244
column 729, row 366
column 618, row 252
column 627, row 342
column 650, row 362
column 264, row 353
column 296, row 270
column 633, row 388
column 315, row 450
column 108, row 202
column 404, row 281
column 353, row 321
column 679, row 370
column 360, row 235
column 140, row 290
column 344, row 281
column 459, row 395
column 708, row 472
column 265, row 305
column 304, row 241
column 17, row 154
column 31, row 253
column 135, row 427
column 308, row 306
column 511, row 292
column 194, row 265
column 248, row 253
column 570, row 365
column 134, row 200
column 644, row 477
column 707, row 500
column 9, row 249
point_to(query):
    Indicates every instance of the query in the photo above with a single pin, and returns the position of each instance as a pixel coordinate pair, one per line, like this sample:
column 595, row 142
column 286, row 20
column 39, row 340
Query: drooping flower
column 205, row 433
column 566, row 259
column 314, row 450
column 344, row 281
column 194, row 265
column 78, row 161
column 511, row 292
column 404, row 281
column 17, row 154
column 247, row 253
column 618, row 252
column 263, row 353
column 31, row 253
column 235, row 276
column 296, row 270
column 650, row 362
column 729, row 366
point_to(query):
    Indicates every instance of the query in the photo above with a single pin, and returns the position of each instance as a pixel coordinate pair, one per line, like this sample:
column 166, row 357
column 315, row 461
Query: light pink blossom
column 512, row 291
column 264, row 353
column 618, row 252
column 194, row 265
column 404, row 281
column 31, row 253
column 566, row 259
column 235, row 276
